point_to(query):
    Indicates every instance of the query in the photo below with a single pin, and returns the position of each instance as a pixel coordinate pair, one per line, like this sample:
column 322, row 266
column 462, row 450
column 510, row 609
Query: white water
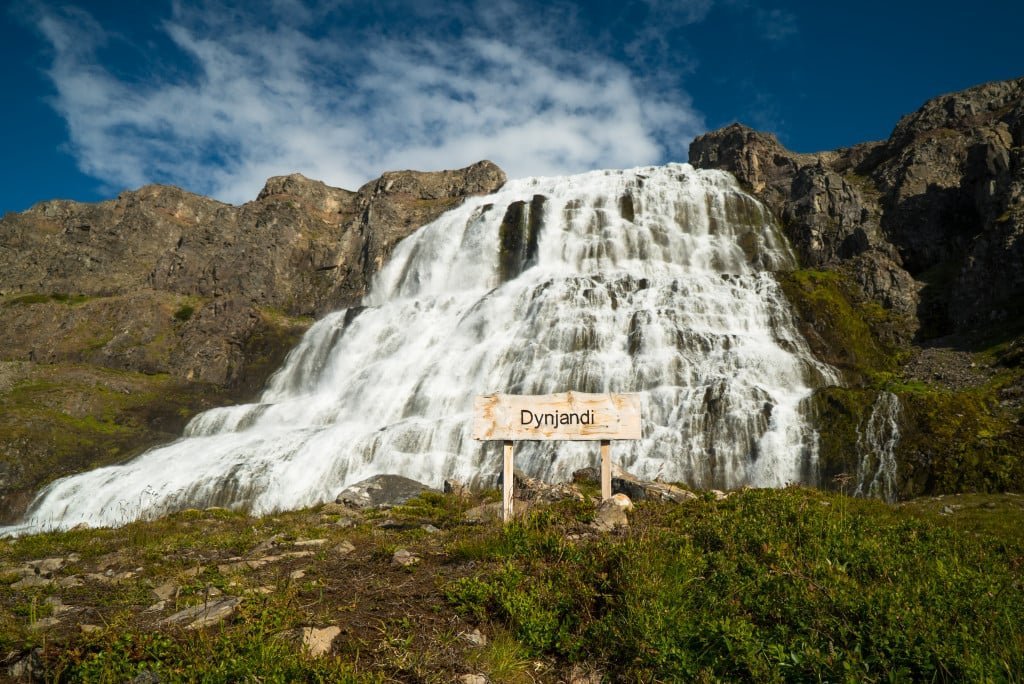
column 876, row 444
column 677, row 303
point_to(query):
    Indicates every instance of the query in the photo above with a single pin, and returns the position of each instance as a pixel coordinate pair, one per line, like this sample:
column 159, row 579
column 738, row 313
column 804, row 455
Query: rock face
column 120, row 320
column 937, row 208
column 914, row 256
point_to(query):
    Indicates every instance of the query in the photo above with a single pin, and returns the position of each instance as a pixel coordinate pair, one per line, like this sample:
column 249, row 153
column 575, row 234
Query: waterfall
column 876, row 444
column 654, row 280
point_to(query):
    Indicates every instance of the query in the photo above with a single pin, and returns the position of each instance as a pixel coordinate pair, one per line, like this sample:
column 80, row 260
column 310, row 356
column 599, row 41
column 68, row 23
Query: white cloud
column 343, row 104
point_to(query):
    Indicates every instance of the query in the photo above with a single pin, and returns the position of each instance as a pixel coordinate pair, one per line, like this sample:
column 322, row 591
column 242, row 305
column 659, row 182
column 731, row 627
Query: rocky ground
column 367, row 572
column 948, row 366
column 390, row 590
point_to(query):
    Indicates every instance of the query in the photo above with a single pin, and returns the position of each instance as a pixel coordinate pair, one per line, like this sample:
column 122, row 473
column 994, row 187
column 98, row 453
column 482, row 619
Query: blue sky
column 217, row 96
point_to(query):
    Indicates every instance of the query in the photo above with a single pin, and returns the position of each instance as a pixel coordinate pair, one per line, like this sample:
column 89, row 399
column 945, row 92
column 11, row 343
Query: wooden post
column 606, row 469
column 507, row 479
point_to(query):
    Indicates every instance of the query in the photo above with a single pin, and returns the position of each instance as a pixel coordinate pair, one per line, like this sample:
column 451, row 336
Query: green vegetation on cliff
column 840, row 328
column 99, row 388
column 64, row 418
column 952, row 438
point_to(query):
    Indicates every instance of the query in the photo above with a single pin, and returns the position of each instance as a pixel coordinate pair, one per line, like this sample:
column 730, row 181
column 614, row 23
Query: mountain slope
column 120, row 320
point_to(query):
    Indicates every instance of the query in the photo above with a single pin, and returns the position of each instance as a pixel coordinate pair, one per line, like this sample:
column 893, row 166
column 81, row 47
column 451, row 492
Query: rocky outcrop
column 119, row 320
column 380, row 491
column 301, row 247
column 922, row 221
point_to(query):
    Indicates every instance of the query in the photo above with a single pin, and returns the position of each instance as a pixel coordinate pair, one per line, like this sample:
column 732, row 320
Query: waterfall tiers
column 655, row 280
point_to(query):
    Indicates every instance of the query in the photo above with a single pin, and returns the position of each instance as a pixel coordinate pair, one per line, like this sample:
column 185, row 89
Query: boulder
column 381, row 491
column 639, row 490
column 611, row 515
column 456, row 488
column 588, row 475
column 531, row 489
column 404, row 558
column 205, row 614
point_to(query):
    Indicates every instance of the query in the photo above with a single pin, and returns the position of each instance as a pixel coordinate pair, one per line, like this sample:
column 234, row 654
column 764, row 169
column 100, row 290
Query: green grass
column 254, row 650
column 767, row 585
column 999, row 516
column 786, row 585
column 39, row 298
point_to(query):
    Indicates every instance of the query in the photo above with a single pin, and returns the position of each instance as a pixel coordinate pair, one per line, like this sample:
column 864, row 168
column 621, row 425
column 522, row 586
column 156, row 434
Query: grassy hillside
column 786, row 585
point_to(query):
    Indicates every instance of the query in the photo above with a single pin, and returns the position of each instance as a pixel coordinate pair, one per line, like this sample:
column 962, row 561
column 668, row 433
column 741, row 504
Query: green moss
column 957, row 441
column 38, row 298
column 951, row 440
column 28, row 299
column 839, row 329
column 69, row 298
column 267, row 346
column 65, row 418
column 839, row 412
column 184, row 312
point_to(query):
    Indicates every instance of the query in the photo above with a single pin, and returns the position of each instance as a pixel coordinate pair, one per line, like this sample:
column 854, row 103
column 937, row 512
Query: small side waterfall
column 876, row 443
column 654, row 280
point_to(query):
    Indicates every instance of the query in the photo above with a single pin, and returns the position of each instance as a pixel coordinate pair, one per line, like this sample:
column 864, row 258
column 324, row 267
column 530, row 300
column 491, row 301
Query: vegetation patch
column 66, row 418
column 766, row 585
column 838, row 328
column 952, row 439
column 785, row 585
column 39, row 298
column 959, row 441
column 184, row 312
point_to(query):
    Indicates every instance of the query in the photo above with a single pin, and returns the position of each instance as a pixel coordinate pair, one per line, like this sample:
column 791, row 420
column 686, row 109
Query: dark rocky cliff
column 929, row 222
column 120, row 320
column 913, row 280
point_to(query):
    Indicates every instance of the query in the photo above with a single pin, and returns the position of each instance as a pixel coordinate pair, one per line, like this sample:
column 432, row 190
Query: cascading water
column 876, row 444
column 653, row 280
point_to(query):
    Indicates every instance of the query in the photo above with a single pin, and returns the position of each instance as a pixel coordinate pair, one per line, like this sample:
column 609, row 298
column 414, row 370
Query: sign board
column 566, row 416
column 569, row 416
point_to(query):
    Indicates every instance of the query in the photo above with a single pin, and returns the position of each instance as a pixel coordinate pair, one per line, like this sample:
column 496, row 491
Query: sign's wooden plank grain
column 566, row 416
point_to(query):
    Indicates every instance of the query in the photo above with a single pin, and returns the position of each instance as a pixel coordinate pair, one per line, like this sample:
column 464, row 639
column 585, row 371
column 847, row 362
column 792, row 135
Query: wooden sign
column 566, row 416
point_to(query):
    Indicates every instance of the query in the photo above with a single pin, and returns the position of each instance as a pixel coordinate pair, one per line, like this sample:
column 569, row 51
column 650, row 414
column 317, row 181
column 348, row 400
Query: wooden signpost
column 567, row 416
